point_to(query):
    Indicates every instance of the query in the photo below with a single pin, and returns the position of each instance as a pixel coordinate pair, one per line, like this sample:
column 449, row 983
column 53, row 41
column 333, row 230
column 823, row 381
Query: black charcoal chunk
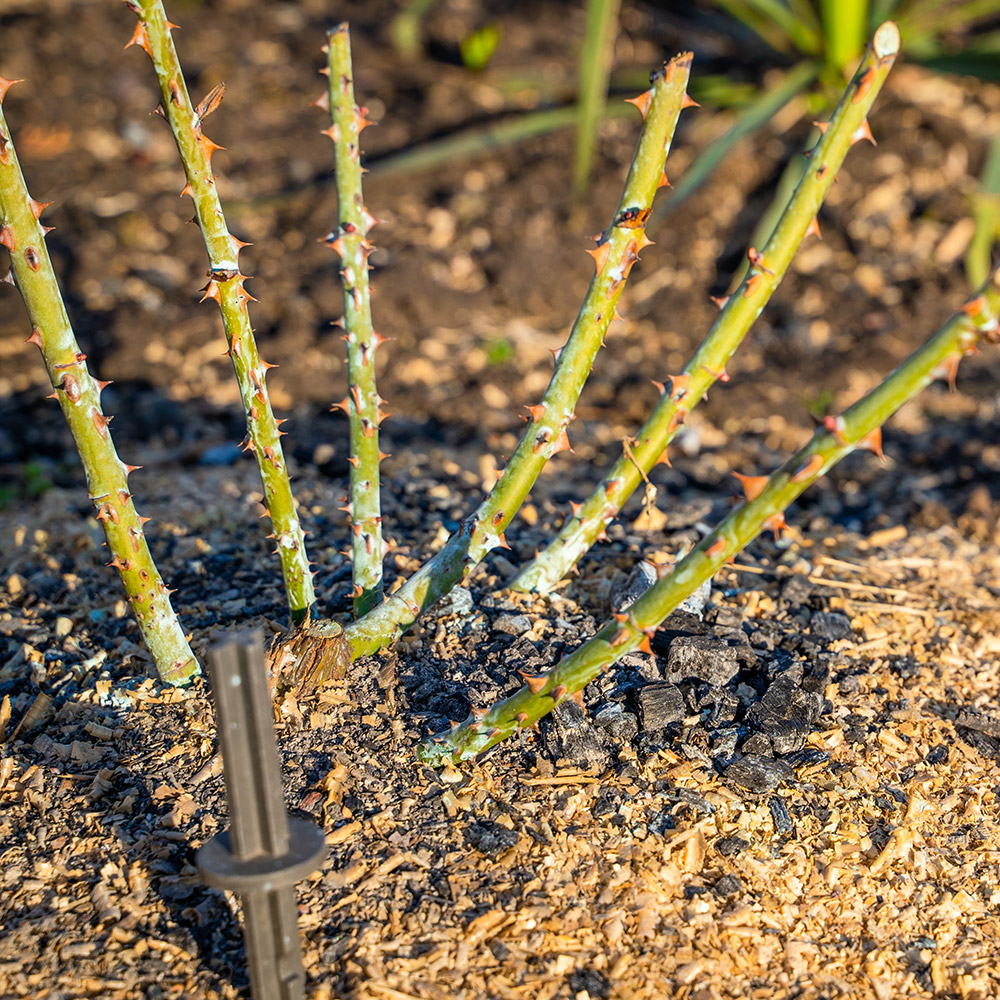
column 567, row 733
column 490, row 838
column 660, row 705
column 627, row 589
column 595, row 984
column 458, row 601
column 758, row 743
column 702, row 657
column 730, row 846
column 796, row 589
column 620, row 726
column 831, row 625
column 512, row 624
column 728, row 885
column 758, row 774
column 779, row 814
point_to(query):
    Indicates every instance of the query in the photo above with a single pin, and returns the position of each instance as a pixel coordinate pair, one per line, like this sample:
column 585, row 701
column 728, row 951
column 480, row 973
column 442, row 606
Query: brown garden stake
column 264, row 851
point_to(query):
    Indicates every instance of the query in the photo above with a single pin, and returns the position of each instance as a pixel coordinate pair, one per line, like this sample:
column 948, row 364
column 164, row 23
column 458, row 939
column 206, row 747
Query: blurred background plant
column 803, row 47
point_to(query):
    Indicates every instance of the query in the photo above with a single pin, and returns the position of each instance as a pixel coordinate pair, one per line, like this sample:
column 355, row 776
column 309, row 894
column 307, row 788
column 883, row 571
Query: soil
column 603, row 855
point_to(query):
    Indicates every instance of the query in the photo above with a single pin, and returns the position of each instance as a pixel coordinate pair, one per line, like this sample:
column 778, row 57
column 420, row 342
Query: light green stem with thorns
column 680, row 394
column 362, row 401
column 858, row 427
column 546, row 435
column 79, row 395
column 226, row 286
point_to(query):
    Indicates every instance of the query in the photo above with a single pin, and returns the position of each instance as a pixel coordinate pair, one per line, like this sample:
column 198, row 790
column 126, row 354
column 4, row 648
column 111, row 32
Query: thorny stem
column 79, row 395
column 767, row 498
column 361, row 404
column 545, row 436
column 226, row 286
column 681, row 393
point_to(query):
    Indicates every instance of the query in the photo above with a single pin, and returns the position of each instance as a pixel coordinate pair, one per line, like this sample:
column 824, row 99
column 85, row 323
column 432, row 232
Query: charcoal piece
column 619, row 726
column 781, row 663
column 609, row 800
column 730, row 846
column 627, row 589
column 567, row 733
column 786, row 736
column 691, row 798
column 980, row 722
column 660, row 705
column 739, row 642
column 796, row 590
column 988, row 746
column 937, row 754
column 500, row 951
column 677, row 624
column 490, row 838
column 595, row 984
column 757, row 743
column 816, row 677
column 830, row 626
column 724, row 742
column 458, row 601
column 512, row 624
column 728, row 885
column 783, row 822
column 807, row 757
column 723, row 708
column 724, row 617
column 640, row 665
column 849, row 684
column 702, row 657
column 758, row 774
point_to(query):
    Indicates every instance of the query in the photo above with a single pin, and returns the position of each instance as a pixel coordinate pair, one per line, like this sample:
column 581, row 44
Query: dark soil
column 794, row 796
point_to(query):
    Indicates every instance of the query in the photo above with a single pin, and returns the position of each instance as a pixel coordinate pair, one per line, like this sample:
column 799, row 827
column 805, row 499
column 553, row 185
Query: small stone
column 796, row 590
column 831, row 625
column 15, row 585
column 758, row 774
column 726, row 617
column 660, row 705
column 728, row 885
column 63, row 627
column 458, row 601
column 702, row 657
column 512, row 624
column 490, row 838
column 730, row 846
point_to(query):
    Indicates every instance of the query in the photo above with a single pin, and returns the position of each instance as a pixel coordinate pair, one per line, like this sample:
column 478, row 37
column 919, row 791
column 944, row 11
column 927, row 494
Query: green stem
column 361, row 404
column 153, row 34
column 79, row 395
column 845, row 24
column 858, row 427
column 683, row 392
column 546, row 435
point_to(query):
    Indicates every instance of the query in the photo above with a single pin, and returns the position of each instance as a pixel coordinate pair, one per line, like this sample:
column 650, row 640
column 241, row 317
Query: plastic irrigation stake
column 263, row 852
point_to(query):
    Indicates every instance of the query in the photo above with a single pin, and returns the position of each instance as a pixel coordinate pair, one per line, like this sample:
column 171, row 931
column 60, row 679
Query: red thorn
column 7, row 238
column 622, row 635
column 578, row 698
column 535, row 682
column 100, row 422
column 357, row 590
column 212, row 292
column 642, row 102
column 679, row 385
column 777, row 525
column 822, row 126
column 757, row 260
column 129, row 469
column 664, row 459
column 807, row 469
column 558, row 693
column 716, row 548
column 600, row 255
column 687, row 102
column 720, row 300
column 721, row 376
column 37, row 207
column 35, row 338
column 753, row 486
column 5, row 85
column 813, row 228
column 864, row 85
column 353, row 459
column 210, row 147
column 644, row 646
column 752, row 282
column 537, row 411
column 620, row 617
column 322, row 102
column 562, row 443
column 187, row 190
column 140, row 38
column 502, row 541
column 863, row 131
column 575, row 507
column 382, row 455
column 361, row 122
column 663, row 182
column 872, row 442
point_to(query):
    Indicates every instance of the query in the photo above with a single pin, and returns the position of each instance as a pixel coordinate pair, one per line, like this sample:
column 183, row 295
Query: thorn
column 35, row 338
column 212, row 292
column 600, row 255
column 558, row 693
column 807, row 469
column 757, row 261
column 664, row 459
column 644, row 646
column 948, row 369
column 753, row 486
column 872, row 442
column 721, row 376
column 344, row 405
column 535, row 682
column 187, row 190
column 575, row 508
column 642, row 102
column 578, row 698
column 863, row 131
column 383, row 455
column 129, row 469
column 100, row 422
column 502, row 541
column 716, row 548
column 521, row 718
column 663, row 182
column 822, row 126
column 537, row 411
column 210, row 147
column 5, row 85
column 322, row 102
column 835, row 425
column 687, row 102
column 562, row 444
column 678, row 386
column 357, row 590
column 752, row 282
column 140, row 38
column 720, row 300
column 813, row 228
column 7, row 238
column 864, row 85
column 622, row 635
column 8, row 278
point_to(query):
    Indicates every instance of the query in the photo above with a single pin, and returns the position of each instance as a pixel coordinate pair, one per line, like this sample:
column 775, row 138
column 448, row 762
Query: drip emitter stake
column 362, row 402
column 227, row 287
column 263, row 853
column 679, row 394
column 79, row 395
column 766, row 500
